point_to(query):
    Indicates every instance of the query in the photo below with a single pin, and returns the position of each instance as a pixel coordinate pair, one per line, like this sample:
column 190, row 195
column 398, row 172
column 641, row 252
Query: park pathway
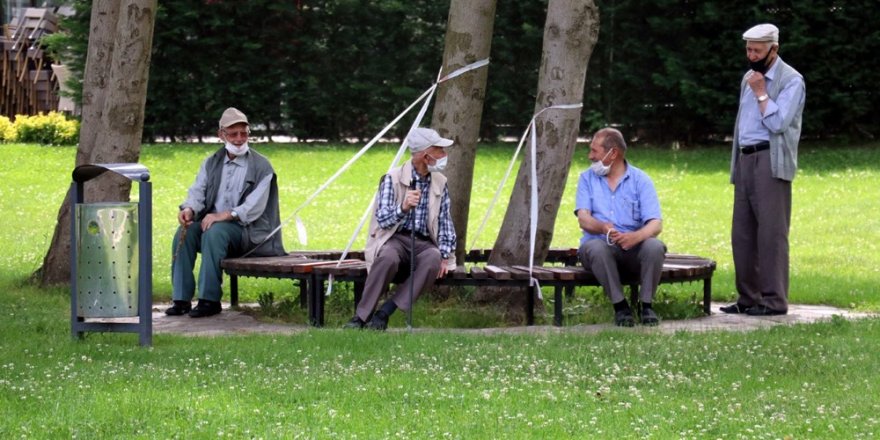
column 232, row 322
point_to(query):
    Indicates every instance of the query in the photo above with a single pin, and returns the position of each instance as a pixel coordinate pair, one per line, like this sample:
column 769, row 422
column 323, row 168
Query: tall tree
column 570, row 33
column 114, row 94
column 459, row 106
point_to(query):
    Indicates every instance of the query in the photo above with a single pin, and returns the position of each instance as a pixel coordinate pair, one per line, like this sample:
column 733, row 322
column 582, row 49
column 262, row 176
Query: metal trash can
column 107, row 259
column 111, row 256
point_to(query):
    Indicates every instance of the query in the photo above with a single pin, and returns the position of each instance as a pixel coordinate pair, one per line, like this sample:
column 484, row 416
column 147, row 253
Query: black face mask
column 763, row 64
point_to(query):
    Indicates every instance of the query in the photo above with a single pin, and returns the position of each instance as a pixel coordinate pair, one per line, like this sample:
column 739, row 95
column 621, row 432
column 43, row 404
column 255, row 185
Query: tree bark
column 114, row 95
column 570, row 33
column 459, row 106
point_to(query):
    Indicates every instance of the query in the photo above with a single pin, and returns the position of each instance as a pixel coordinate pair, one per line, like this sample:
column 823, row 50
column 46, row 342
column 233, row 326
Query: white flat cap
column 763, row 32
column 423, row 138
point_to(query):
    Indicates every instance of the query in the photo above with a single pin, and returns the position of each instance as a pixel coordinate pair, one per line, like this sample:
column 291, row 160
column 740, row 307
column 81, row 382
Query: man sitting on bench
column 412, row 199
column 619, row 212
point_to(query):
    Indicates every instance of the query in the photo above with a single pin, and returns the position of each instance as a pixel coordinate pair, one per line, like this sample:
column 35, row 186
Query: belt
column 749, row 149
column 418, row 235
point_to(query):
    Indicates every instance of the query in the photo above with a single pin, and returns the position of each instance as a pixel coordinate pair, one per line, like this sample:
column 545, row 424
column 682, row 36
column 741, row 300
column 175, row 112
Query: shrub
column 7, row 130
column 51, row 129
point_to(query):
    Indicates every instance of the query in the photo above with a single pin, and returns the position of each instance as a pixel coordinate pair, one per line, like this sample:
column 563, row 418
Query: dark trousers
column 606, row 263
column 394, row 257
column 759, row 234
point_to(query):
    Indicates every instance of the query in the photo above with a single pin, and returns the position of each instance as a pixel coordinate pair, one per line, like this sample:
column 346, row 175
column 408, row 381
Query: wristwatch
column 763, row 98
column 234, row 215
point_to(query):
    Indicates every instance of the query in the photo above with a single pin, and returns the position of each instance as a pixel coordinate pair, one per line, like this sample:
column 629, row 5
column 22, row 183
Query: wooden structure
column 27, row 85
column 561, row 271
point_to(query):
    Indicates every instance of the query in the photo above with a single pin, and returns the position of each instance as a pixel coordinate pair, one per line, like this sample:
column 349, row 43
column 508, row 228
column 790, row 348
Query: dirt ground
column 235, row 322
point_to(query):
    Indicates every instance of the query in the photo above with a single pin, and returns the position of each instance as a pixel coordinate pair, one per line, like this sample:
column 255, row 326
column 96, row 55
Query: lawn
column 802, row 381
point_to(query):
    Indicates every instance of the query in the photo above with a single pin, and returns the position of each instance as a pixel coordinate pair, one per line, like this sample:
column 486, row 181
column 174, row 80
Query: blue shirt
column 754, row 127
column 629, row 207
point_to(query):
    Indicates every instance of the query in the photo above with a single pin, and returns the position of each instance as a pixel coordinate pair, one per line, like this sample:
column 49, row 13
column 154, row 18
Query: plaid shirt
column 390, row 215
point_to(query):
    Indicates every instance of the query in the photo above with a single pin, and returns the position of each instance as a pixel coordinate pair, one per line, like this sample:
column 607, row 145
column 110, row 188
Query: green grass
column 803, row 381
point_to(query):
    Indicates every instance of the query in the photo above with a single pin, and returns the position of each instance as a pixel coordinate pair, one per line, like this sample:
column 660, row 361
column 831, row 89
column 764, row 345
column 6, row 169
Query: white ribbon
column 533, row 177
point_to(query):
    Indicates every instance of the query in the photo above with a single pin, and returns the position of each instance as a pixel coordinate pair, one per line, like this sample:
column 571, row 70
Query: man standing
column 763, row 164
column 412, row 199
column 230, row 210
column 619, row 212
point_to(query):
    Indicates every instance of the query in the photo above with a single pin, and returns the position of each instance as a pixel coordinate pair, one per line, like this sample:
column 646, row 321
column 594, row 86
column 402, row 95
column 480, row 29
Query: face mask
column 237, row 151
column 599, row 167
column 761, row 66
column 439, row 165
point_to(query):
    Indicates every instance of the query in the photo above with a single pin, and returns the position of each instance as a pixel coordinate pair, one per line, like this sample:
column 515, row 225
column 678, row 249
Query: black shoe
column 379, row 321
column 624, row 318
column 765, row 311
column 205, row 308
column 179, row 308
column 356, row 323
column 649, row 317
column 735, row 308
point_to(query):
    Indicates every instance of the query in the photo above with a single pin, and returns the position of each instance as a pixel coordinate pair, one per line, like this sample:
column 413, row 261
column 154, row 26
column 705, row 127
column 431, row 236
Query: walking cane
column 412, row 260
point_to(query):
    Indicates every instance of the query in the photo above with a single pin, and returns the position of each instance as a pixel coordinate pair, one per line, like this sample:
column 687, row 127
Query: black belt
column 749, row 149
column 418, row 235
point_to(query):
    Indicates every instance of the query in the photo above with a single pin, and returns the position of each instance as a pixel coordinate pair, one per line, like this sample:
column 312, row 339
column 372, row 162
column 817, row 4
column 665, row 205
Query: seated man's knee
column 653, row 248
column 591, row 249
column 431, row 257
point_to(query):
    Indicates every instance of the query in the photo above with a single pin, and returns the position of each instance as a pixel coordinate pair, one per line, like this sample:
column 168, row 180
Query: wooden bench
column 561, row 271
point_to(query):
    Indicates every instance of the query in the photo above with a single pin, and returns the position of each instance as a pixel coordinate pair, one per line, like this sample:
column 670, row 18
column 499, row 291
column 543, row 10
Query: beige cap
column 421, row 139
column 763, row 32
column 232, row 116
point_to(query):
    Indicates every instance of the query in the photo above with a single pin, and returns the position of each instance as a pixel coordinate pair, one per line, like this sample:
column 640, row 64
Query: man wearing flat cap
column 762, row 167
column 413, row 200
column 230, row 210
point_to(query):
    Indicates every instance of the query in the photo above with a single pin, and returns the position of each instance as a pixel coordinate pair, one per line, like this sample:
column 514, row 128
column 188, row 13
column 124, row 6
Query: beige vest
column 401, row 177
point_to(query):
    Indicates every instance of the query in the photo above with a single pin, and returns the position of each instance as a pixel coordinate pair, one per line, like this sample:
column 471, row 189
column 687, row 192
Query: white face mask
column 439, row 165
column 237, row 151
column 599, row 167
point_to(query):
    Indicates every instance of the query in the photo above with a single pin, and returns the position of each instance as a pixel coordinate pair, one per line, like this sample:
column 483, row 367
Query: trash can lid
column 132, row 171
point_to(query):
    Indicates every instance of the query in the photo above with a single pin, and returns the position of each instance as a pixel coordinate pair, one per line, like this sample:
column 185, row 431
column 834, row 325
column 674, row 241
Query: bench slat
column 538, row 272
column 497, row 272
column 478, row 273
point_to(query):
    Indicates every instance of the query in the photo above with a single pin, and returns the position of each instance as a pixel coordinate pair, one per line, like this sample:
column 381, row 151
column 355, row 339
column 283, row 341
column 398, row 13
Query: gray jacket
column 783, row 144
column 256, row 231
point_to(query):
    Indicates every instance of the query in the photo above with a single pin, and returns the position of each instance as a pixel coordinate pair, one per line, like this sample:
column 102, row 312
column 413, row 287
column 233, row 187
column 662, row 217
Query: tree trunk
column 570, row 34
column 114, row 95
column 459, row 106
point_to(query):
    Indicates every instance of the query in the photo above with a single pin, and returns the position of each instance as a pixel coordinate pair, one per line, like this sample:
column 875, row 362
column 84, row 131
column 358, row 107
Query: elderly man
column 762, row 167
column 619, row 212
column 230, row 210
column 412, row 199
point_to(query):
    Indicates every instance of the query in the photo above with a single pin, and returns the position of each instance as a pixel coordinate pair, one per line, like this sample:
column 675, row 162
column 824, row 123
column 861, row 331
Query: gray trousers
column 392, row 263
column 759, row 234
column 220, row 240
column 607, row 262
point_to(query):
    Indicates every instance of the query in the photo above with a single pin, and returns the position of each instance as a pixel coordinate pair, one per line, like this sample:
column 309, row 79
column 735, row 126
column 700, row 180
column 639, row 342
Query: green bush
column 51, row 129
column 7, row 130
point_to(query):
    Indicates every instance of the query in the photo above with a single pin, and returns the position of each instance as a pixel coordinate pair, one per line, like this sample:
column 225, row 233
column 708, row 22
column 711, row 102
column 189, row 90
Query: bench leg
column 316, row 291
column 233, row 290
column 531, row 291
column 557, row 305
column 707, row 296
column 358, row 293
column 634, row 296
column 303, row 293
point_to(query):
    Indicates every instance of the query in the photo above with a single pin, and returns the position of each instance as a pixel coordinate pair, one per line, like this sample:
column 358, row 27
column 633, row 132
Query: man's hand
column 212, row 218
column 626, row 240
column 757, row 83
column 185, row 217
column 410, row 200
column 443, row 269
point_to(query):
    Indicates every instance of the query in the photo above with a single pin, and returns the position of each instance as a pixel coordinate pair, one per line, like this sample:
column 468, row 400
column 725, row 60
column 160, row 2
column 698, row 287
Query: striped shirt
column 389, row 213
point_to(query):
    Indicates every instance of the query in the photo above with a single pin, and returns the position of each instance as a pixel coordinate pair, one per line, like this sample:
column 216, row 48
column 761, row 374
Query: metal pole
column 412, row 261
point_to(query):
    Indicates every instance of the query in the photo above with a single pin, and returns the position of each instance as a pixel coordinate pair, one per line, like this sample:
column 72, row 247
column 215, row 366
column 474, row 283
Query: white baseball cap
column 421, row 139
